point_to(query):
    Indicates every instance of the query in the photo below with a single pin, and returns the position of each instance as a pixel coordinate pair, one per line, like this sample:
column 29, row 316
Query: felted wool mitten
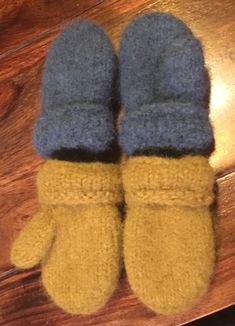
column 76, row 234
column 77, row 231
column 78, row 84
column 168, row 233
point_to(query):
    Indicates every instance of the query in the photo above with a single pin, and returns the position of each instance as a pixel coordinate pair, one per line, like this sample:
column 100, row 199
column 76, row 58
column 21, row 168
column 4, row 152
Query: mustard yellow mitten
column 76, row 234
column 168, row 234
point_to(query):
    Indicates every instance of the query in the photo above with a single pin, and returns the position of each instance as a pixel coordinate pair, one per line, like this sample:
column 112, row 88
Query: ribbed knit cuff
column 187, row 181
column 69, row 183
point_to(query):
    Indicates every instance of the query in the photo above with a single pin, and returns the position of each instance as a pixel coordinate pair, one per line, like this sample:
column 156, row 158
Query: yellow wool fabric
column 76, row 233
column 168, row 234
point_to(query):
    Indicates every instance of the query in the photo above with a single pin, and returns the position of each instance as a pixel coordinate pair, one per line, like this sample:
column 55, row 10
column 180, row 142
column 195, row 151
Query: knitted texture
column 77, row 87
column 168, row 235
column 164, row 88
column 76, row 233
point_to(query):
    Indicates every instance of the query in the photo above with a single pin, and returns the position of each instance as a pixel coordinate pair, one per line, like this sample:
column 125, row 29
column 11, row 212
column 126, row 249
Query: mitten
column 164, row 88
column 77, row 88
column 76, row 234
column 168, row 234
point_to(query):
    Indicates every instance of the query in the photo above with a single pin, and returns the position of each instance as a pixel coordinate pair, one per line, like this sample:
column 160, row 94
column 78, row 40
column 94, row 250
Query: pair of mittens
column 165, row 130
column 76, row 233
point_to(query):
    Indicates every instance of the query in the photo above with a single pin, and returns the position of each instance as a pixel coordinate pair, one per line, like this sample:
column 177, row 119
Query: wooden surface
column 27, row 29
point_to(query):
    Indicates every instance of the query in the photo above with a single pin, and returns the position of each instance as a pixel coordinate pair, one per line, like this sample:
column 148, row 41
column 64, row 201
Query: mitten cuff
column 69, row 183
column 182, row 127
column 92, row 129
column 187, row 181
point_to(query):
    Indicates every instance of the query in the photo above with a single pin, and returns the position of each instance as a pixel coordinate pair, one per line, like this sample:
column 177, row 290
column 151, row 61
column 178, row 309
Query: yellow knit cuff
column 186, row 181
column 69, row 183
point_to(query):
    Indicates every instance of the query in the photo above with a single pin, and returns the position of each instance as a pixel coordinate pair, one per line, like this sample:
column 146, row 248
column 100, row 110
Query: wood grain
column 25, row 38
column 9, row 9
column 37, row 18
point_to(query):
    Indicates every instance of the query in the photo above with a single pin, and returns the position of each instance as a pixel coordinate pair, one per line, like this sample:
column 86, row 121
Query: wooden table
column 27, row 31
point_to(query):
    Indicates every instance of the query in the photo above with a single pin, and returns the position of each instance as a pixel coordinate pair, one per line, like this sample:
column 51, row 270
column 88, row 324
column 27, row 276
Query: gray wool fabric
column 77, row 87
column 164, row 87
